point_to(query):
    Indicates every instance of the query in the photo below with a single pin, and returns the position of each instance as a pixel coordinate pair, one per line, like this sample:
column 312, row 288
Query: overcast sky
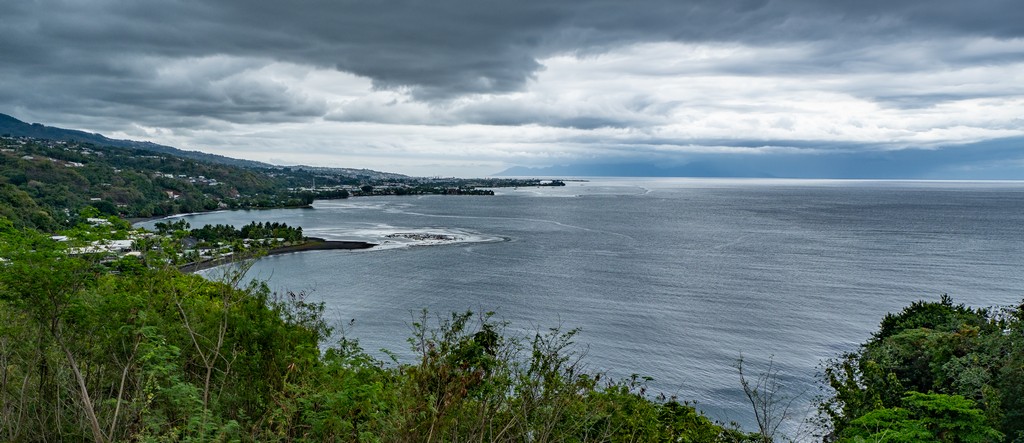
column 471, row 87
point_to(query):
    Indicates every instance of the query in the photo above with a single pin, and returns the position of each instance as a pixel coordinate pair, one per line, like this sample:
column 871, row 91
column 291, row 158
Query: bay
column 669, row 278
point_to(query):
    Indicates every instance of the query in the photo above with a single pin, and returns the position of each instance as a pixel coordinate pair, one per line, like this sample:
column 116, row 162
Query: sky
column 924, row 88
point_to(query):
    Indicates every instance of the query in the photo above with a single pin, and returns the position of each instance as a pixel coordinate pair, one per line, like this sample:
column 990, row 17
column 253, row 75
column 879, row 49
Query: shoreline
column 135, row 220
column 311, row 244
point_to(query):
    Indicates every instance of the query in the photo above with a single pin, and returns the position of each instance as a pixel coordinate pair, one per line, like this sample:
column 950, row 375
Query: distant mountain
column 11, row 126
column 636, row 169
column 17, row 128
column 998, row 159
column 349, row 172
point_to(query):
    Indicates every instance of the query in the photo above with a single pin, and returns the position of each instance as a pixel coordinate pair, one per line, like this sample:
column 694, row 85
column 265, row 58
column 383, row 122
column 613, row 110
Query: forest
column 45, row 184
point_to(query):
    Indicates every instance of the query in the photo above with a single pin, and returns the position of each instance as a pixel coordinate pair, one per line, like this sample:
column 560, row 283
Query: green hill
column 12, row 127
column 45, row 183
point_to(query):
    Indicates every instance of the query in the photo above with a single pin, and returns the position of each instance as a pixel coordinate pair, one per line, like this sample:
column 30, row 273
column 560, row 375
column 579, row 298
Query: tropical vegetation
column 937, row 371
column 152, row 354
column 109, row 347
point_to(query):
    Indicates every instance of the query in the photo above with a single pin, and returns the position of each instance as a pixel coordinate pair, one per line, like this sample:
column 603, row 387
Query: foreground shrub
column 90, row 352
column 934, row 372
column 474, row 382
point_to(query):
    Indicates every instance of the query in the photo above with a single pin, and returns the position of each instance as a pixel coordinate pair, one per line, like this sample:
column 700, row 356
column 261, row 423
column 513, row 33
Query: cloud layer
column 471, row 87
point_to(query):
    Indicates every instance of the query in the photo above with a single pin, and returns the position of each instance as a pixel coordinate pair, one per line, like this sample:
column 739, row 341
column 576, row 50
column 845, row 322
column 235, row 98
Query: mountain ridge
column 12, row 126
column 997, row 159
column 700, row 169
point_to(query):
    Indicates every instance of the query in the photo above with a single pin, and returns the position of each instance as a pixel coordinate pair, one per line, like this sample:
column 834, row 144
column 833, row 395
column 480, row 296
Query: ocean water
column 669, row 278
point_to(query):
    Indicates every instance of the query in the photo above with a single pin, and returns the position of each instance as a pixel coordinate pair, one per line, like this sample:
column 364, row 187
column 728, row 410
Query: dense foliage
column 934, row 372
column 156, row 355
column 45, row 183
column 253, row 230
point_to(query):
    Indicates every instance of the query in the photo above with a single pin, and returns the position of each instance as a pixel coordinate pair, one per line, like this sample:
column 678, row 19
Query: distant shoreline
column 311, row 244
column 136, row 220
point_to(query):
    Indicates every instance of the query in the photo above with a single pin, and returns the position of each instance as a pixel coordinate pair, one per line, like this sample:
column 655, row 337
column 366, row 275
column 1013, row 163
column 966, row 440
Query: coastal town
column 136, row 183
column 113, row 242
column 87, row 196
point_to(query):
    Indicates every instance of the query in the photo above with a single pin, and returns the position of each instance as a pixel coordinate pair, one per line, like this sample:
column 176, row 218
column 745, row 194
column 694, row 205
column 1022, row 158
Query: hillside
column 12, row 127
column 45, row 183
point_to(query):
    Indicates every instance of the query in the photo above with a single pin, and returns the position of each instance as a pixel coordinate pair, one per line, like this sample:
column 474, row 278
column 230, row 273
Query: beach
column 311, row 244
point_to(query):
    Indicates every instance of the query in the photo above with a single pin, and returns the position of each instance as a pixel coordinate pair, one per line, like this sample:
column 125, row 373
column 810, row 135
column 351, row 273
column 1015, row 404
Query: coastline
column 135, row 220
column 311, row 244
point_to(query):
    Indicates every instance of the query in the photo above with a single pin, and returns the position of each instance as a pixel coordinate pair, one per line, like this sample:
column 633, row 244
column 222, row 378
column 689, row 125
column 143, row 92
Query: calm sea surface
column 670, row 278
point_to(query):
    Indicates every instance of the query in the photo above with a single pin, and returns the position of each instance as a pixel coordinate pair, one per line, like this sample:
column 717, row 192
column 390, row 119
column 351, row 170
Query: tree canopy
column 937, row 371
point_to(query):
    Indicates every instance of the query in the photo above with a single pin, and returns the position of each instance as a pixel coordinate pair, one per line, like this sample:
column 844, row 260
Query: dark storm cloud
column 525, row 79
column 448, row 48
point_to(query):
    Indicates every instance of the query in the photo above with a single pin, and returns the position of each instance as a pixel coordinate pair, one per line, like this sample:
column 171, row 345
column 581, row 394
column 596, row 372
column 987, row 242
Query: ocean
column 674, row 279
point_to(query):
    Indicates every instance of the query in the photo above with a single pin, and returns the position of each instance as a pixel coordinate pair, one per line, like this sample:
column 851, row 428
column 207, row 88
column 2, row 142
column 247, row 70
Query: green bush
column 156, row 355
column 948, row 357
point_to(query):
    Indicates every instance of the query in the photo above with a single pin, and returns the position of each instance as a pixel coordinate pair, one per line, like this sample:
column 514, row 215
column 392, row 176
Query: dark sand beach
column 311, row 244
